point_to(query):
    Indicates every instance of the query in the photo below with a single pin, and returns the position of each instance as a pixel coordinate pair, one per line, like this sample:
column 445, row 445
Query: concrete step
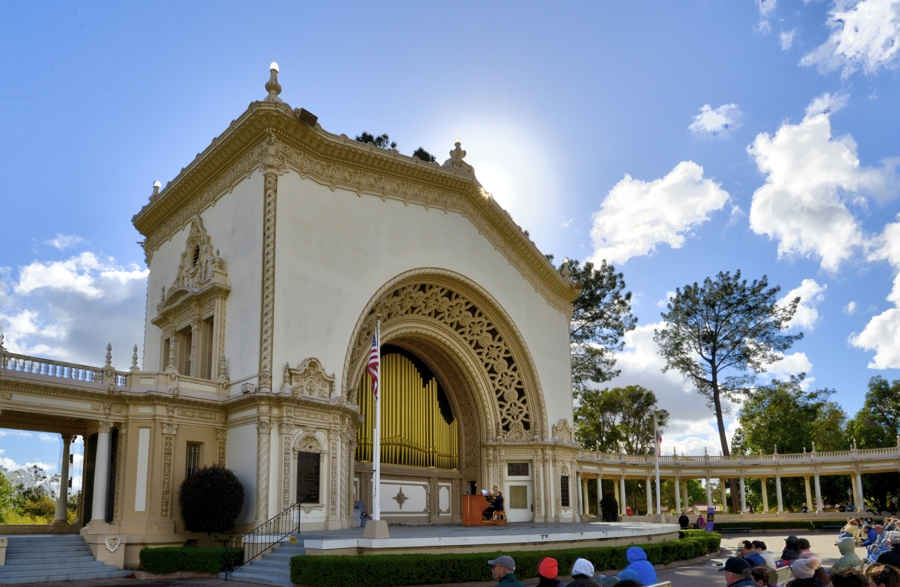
column 70, row 576
column 53, row 569
column 246, row 575
column 63, row 561
column 31, row 558
column 270, row 567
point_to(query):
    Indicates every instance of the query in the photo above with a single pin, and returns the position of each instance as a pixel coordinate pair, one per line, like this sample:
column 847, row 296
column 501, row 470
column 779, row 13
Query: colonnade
column 681, row 487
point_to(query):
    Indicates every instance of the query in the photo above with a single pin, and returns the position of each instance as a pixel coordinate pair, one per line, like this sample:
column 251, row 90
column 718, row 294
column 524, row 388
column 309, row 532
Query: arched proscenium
column 466, row 313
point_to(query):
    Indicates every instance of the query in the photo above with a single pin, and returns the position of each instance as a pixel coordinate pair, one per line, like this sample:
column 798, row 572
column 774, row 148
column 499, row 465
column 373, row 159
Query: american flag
column 372, row 367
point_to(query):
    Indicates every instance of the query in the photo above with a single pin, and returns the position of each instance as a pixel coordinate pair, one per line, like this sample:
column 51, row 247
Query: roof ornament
column 3, row 349
column 272, row 86
column 564, row 268
column 134, row 361
column 156, row 186
column 456, row 163
column 108, row 354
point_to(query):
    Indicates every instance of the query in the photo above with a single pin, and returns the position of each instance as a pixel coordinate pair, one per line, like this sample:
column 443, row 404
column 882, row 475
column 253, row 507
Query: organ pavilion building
column 271, row 255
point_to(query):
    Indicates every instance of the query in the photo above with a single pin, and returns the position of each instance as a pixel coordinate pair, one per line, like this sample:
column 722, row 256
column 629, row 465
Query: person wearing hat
column 847, row 548
column 803, row 570
column 548, row 570
column 891, row 556
column 503, row 570
column 791, row 548
column 737, row 573
column 583, row 574
column 749, row 554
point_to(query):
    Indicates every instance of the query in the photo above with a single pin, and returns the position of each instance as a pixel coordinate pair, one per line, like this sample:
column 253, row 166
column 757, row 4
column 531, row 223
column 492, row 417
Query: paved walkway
column 703, row 575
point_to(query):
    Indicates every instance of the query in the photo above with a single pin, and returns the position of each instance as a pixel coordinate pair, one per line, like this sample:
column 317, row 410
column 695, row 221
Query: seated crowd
column 753, row 566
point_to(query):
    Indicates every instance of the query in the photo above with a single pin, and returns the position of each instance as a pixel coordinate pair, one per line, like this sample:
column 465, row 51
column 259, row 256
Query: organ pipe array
column 413, row 430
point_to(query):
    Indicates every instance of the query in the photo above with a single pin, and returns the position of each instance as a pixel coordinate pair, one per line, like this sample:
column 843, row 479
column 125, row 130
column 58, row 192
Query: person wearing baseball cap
column 891, row 556
column 503, row 570
column 548, row 570
column 737, row 573
column 791, row 549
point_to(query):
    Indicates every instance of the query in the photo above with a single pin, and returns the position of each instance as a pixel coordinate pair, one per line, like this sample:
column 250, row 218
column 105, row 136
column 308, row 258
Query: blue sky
column 675, row 139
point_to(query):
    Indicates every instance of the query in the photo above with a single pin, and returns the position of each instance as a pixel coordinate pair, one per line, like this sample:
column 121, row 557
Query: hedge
column 396, row 570
column 780, row 525
column 171, row 559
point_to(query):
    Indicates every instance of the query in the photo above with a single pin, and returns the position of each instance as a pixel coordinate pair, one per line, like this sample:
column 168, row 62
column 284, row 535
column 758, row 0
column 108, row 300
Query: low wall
column 16, row 529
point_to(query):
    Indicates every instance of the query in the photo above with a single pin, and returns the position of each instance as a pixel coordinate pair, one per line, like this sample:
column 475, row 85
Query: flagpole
column 376, row 442
column 656, row 439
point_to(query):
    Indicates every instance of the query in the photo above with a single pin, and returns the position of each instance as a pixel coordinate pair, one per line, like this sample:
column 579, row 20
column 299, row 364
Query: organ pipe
column 414, row 432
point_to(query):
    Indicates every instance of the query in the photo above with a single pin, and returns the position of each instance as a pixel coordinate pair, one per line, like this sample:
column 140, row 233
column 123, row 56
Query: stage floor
column 519, row 536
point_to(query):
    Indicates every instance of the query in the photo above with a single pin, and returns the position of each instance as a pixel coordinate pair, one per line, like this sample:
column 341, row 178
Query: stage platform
column 521, row 536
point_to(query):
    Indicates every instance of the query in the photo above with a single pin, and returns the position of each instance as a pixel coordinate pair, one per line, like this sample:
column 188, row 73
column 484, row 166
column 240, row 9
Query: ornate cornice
column 337, row 161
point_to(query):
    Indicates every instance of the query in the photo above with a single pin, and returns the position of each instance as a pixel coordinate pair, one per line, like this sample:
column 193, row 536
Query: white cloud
column 715, row 121
column 787, row 39
column 827, row 103
column 47, row 438
column 864, row 35
column 791, row 364
column 566, row 223
column 68, row 310
column 850, row 308
column 637, row 215
column 811, row 294
column 765, row 11
column 882, row 333
column 663, row 303
column 810, row 176
column 64, row 241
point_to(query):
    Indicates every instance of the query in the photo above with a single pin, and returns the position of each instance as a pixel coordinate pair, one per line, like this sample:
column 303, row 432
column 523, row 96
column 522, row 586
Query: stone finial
column 134, row 360
column 272, row 86
column 564, row 268
column 814, row 447
column 705, row 452
column 456, row 163
column 775, row 452
column 108, row 354
column 3, row 349
column 156, row 186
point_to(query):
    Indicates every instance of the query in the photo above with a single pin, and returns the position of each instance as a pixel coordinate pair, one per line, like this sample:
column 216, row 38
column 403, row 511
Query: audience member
column 848, row 577
column 629, row 575
column 683, row 521
column 503, row 570
column 583, row 574
column 637, row 562
column 847, row 548
column 891, row 556
column 803, row 543
column 749, row 554
column 701, row 522
column 738, row 573
column 871, row 535
column 822, row 576
column 851, row 529
column 791, row 548
column 548, row 570
column 763, row 551
column 804, row 570
column 882, row 576
column 761, row 576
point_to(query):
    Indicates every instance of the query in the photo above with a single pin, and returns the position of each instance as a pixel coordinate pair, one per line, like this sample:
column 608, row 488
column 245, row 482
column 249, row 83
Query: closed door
column 308, row 477
column 519, row 501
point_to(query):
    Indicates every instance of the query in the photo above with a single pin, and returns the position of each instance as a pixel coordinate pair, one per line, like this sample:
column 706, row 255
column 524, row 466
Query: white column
column 778, row 492
column 616, row 494
column 599, row 492
column 860, row 499
column 743, row 495
column 809, row 504
column 649, row 498
column 724, row 485
column 585, row 504
column 622, row 493
column 63, row 498
column 708, row 492
column 263, row 432
column 820, row 508
column 684, row 491
column 677, row 495
column 765, row 495
column 101, row 474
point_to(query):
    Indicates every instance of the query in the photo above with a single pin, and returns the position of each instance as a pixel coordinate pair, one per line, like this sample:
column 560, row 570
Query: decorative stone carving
column 474, row 327
column 222, row 439
column 308, row 379
column 112, row 543
column 517, row 433
column 456, row 163
column 267, row 325
column 562, row 432
column 263, row 428
column 308, row 443
column 400, row 498
column 168, row 447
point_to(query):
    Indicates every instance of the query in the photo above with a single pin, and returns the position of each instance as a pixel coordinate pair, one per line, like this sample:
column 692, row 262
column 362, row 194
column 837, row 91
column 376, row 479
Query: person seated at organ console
column 495, row 503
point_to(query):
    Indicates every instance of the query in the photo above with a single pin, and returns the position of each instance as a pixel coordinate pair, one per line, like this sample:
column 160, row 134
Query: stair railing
column 264, row 537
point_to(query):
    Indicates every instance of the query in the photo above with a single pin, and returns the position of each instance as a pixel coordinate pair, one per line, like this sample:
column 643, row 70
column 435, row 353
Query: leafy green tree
column 607, row 419
column 424, row 155
column 782, row 415
column 382, row 141
column 211, row 499
column 10, row 500
column 877, row 425
column 721, row 334
column 600, row 318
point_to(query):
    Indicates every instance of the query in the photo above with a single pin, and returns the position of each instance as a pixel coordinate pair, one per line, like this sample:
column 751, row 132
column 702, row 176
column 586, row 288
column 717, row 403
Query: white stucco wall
column 241, row 458
column 336, row 249
column 235, row 226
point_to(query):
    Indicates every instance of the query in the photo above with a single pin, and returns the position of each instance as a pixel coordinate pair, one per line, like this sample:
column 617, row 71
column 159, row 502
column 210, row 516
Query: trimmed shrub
column 394, row 570
column 801, row 525
column 171, row 559
column 211, row 499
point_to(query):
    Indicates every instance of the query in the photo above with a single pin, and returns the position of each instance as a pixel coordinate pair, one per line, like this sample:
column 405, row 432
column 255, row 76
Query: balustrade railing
column 50, row 368
column 264, row 537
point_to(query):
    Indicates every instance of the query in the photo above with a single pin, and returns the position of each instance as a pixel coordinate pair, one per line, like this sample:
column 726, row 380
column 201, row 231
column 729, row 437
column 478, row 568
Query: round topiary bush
column 211, row 499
